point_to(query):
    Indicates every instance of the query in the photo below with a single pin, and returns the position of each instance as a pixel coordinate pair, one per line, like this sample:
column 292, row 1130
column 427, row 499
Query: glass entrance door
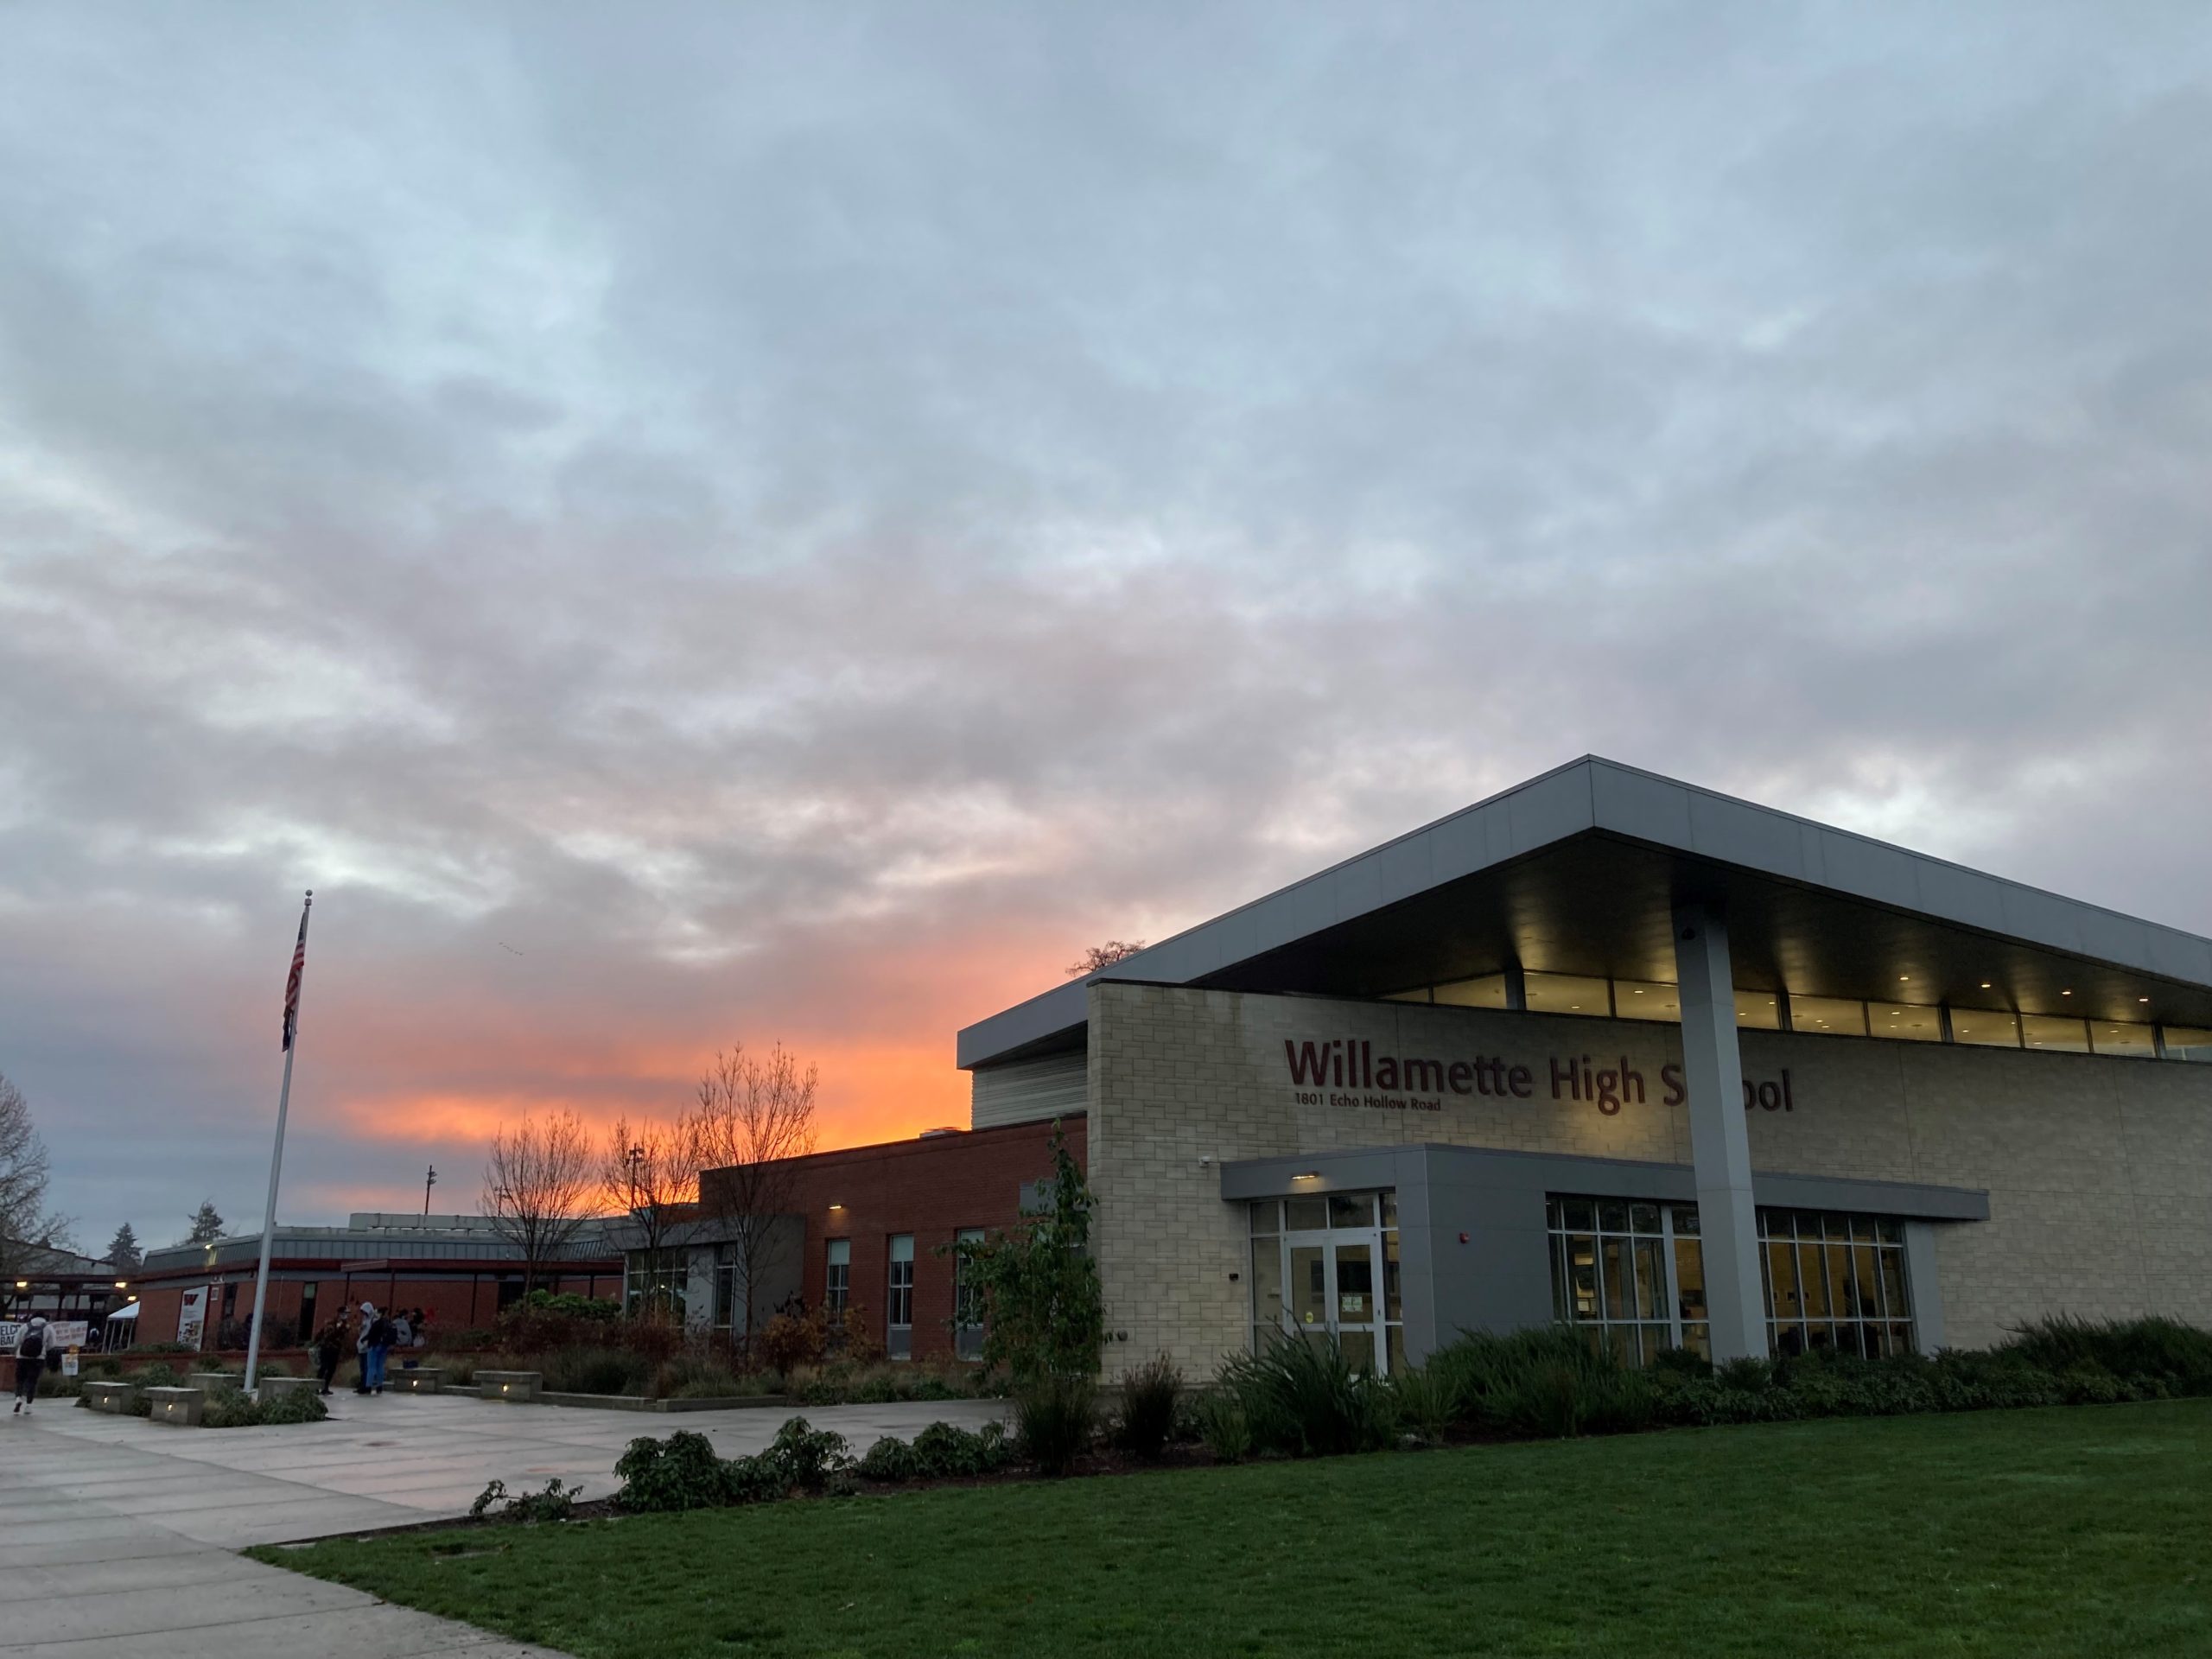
column 1327, row 1267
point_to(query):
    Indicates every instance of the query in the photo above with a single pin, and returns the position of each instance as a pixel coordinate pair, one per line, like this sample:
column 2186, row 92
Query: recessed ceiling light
column 2066, row 993
column 2142, row 998
column 1984, row 984
column 1905, row 979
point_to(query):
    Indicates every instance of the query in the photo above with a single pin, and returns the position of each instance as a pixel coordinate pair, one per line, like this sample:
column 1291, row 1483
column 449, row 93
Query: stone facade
column 2099, row 1169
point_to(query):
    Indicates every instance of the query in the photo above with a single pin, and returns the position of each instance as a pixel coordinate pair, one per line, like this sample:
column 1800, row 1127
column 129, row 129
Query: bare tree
column 646, row 1171
column 1104, row 955
column 27, row 1227
column 755, row 1114
column 539, row 1182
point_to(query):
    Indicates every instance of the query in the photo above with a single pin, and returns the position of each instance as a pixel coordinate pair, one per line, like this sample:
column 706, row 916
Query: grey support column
column 1720, row 1148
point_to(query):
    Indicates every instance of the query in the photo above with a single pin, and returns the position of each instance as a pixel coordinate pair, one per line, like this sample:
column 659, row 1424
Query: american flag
column 292, row 980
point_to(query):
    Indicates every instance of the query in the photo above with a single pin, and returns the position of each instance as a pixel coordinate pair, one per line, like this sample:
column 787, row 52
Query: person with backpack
column 374, row 1346
column 30, row 1361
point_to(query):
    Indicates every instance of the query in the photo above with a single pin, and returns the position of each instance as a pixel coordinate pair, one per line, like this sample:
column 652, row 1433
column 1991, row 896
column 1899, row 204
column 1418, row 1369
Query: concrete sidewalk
column 386, row 1460
column 116, row 1533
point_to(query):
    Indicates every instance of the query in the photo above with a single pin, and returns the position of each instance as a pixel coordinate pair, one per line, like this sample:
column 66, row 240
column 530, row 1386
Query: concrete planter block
column 108, row 1396
column 422, row 1379
column 208, row 1381
column 182, row 1406
column 517, row 1385
column 274, row 1385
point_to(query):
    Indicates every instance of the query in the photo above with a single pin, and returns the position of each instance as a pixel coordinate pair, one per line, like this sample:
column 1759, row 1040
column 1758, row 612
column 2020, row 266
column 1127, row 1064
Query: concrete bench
column 179, row 1406
column 109, row 1396
column 517, row 1385
column 420, row 1379
column 209, row 1381
column 275, row 1385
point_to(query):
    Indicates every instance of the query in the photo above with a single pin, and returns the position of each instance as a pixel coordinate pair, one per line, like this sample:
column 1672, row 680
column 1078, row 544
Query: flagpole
column 276, row 1156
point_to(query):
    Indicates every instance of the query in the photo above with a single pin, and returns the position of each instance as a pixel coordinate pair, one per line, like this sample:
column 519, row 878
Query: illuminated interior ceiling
column 1578, row 872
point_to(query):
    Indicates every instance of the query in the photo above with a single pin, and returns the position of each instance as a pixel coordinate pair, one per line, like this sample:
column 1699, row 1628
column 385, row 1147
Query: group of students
column 372, row 1336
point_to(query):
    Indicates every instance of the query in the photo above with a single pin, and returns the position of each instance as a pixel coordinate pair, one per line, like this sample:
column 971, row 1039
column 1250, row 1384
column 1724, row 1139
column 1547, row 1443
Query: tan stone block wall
column 2099, row 1170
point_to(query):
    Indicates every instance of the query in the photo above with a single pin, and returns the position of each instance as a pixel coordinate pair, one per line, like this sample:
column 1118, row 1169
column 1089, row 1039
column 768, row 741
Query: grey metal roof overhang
column 1578, row 872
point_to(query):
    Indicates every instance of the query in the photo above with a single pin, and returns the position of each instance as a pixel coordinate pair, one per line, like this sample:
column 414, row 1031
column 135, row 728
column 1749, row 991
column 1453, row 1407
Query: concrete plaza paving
column 116, row 1533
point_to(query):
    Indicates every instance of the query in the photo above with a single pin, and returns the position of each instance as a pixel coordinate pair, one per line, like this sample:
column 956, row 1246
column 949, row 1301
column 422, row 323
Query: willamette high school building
column 1611, row 1050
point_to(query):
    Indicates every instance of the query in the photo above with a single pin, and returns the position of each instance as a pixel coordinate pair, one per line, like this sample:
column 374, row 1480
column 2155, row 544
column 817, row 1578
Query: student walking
column 30, row 1361
column 329, row 1348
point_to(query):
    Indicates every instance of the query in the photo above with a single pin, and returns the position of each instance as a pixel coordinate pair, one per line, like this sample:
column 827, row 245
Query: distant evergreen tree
column 123, row 1249
column 206, row 1224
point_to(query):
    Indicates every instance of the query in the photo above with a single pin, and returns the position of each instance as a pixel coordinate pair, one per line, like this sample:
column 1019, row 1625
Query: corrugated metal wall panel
column 1023, row 1091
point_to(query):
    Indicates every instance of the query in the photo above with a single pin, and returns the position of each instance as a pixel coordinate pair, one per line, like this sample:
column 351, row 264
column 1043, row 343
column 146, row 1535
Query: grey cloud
column 795, row 524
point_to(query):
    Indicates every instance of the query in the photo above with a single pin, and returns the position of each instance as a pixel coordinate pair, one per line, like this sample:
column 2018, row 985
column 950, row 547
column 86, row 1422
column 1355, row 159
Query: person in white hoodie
column 30, row 1361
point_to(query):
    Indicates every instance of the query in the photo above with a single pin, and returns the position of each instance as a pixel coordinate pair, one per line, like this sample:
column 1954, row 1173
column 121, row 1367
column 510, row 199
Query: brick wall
column 931, row 1188
column 2098, row 1168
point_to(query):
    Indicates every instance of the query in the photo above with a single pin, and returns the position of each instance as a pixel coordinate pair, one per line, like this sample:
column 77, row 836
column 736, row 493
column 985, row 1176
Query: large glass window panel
column 1355, row 1284
column 1267, row 1216
column 1906, row 1021
column 1689, row 1278
column 2111, row 1037
column 1643, row 999
column 1812, row 1281
column 1612, row 1215
column 1393, row 1298
column 1828, row 1016
column 1267, row 1281
column 1842, row 1299
column 1758, row 1011
column 1894, row 1302
column 1578, row 1215
column 2054, row 1035
column 1614, row 1277
column 1582, row 1260
column 1351, row 1210
column 1566, row 993
column 1397, row 1349
column 1643, row 1218
column 1358, row 1348
column 2188, row 1043
column 838, row 1274
column 1782, row 1281
column 1650, row 1279
column 1985, row 1028
column 1488, row 992
column 1866, row 1282
column 1309, row 1287
column 1306, row 1214
column 1389, row 1209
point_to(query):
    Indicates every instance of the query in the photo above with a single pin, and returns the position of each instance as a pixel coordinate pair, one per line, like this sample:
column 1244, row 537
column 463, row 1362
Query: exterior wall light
column 837, row 1206
column 1310, row 1175
column 121, row 1284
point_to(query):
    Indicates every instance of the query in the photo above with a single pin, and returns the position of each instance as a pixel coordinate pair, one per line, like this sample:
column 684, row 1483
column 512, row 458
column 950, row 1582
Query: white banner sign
column 192, row 1318
column 68, row 1333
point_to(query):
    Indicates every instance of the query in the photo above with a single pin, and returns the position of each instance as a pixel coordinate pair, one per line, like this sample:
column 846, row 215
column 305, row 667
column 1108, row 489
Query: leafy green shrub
column 889, row 1460
column 943, row 1451
column 556, row 1503
column 1547, row 1383
column 2177, row 1354
column 679, row 1472
column 292, row 1406
column 1745, row 1372
column 1424, row 1404
column 1055, row 1419
column 1223, row 1426
column 805, row 1455
column 1151, row 1396
column 1301, row 1397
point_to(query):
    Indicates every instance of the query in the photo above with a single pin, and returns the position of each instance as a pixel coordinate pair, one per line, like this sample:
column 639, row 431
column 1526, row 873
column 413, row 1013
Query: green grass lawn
column 2075, row 1531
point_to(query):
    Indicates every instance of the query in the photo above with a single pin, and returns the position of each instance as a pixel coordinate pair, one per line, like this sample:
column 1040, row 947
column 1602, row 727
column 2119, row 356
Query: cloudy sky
column 686, row 524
